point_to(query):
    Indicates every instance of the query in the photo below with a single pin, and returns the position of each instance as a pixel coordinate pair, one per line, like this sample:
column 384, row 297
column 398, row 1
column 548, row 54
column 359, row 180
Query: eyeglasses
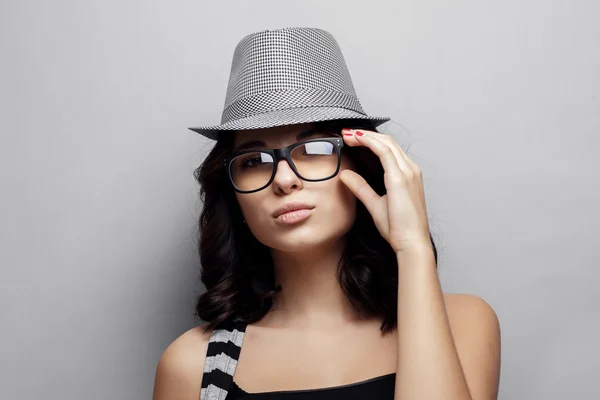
column 311, row 160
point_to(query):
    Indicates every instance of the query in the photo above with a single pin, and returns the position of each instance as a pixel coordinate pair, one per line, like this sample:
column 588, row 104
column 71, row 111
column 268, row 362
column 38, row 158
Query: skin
column 447, row 345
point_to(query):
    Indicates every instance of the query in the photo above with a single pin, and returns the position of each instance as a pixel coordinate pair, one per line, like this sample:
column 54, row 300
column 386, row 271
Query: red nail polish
column 359, row 133
column 347, row 134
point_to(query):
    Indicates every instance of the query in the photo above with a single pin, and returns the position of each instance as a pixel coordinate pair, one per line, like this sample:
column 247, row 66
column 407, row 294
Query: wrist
column 416, row 250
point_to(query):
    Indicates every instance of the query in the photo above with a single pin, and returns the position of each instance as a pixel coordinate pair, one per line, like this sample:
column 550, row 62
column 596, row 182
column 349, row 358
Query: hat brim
column 285, row 117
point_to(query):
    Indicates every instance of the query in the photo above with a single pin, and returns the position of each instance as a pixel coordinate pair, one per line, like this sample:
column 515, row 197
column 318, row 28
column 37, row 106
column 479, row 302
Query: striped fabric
column 223, row 351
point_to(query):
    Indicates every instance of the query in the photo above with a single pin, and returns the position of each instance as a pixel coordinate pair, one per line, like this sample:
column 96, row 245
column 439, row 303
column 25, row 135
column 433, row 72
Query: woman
column 320, row 270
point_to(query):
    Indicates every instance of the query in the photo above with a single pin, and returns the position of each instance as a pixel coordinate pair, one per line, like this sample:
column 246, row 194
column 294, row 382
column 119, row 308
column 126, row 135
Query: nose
column 285, row 179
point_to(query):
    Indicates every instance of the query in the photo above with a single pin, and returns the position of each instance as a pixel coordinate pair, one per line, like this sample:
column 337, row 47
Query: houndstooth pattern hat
column 287, row 76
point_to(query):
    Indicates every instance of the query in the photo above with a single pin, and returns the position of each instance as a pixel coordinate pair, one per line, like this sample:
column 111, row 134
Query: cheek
column 346, row 199
column 338, row 204
column 249, row 204
column 344, row 203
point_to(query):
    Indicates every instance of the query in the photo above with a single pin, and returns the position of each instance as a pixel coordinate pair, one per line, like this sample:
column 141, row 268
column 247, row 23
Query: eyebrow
column 260, row 143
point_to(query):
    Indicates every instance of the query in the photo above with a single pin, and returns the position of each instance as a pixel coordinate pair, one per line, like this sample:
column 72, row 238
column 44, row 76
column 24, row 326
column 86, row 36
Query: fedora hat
column 287, row 76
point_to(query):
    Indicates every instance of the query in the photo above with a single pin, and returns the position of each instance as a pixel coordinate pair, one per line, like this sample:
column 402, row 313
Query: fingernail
column 359, row 133
column 348, row 134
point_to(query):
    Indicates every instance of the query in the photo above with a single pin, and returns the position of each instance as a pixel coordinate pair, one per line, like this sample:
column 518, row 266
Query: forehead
column 277, row 134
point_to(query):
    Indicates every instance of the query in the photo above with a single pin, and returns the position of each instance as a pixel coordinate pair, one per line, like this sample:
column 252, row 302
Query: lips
column 292, row 206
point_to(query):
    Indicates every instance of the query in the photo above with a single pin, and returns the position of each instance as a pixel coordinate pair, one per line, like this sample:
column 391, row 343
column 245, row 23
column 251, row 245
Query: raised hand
column 401, row 214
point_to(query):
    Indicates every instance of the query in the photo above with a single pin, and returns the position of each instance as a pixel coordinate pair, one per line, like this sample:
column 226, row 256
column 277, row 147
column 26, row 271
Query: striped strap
column 224, row 348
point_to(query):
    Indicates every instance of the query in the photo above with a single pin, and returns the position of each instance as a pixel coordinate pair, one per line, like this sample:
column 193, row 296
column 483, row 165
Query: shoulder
column 476, row 333
column 180, row 367
column 471, row 315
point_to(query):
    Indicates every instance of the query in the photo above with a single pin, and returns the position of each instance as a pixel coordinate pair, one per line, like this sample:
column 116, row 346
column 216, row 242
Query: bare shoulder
column 466, row 310
column 180, row 368
column 476, row 332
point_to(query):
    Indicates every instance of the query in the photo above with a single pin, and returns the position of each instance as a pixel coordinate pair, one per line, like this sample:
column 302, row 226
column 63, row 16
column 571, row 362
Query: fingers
column 406, row 165
column 391, row 160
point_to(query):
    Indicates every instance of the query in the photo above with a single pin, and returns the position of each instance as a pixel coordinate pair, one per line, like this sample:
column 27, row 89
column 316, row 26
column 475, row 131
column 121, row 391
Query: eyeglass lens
column 313, row 160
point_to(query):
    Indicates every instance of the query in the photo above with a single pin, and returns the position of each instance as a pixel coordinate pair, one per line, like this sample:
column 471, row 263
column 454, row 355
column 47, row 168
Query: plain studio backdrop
column 497, row 101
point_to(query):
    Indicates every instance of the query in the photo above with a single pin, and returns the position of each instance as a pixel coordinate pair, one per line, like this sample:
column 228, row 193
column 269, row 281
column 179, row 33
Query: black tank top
column 223, row 352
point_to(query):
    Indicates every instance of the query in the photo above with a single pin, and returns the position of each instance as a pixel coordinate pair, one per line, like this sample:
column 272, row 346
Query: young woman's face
column 332, row 205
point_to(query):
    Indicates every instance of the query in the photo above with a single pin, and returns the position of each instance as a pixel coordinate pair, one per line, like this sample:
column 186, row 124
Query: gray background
column 499, row 102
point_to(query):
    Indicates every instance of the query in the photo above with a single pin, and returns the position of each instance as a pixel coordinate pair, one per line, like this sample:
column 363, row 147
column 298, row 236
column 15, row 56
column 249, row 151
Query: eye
column 251, row 161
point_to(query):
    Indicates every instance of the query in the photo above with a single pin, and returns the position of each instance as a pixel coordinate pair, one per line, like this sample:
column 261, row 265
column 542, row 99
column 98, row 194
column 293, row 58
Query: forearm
column 428, row 364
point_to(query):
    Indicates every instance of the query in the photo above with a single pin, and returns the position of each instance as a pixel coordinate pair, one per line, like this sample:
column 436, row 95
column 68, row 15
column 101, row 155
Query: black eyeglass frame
column 284, row 153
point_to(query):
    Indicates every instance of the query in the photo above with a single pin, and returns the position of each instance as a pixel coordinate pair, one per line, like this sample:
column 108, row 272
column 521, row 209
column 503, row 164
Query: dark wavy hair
column 237, row 270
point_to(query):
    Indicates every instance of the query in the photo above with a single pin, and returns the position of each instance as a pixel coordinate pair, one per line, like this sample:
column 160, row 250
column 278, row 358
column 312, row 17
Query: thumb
column 371, row 200
column 359, row 186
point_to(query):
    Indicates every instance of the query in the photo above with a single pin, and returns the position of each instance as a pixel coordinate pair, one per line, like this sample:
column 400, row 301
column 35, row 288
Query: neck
column 311, row 295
